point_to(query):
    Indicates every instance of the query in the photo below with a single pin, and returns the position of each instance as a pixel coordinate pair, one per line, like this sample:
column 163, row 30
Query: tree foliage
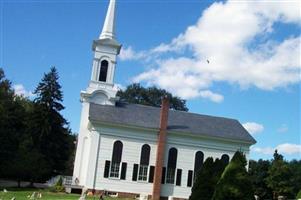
column 235, row 182
column 151, row 96
column 259, row 172
column 280, row 177
column 35, row 139
column 206, row 179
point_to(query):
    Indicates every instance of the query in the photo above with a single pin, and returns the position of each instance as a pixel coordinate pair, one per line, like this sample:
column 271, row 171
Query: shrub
column 58, row 187
column 235, row 183
column 298, row 195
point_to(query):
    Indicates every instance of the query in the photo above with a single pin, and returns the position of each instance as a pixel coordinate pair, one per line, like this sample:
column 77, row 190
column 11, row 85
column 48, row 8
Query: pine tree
column 280, row 177
column 235, row 182
column 49, row 91
column 12, row 126
column 258, row 171
column 206, row 179
column 49, row 129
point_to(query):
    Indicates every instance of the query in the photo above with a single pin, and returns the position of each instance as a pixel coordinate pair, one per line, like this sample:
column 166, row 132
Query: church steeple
column 108, row 30
column 101, row 88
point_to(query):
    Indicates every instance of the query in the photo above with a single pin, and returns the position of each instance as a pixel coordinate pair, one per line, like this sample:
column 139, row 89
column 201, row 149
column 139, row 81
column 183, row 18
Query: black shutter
column 123, row 171
column 163, row 175
column 179, row 177
column 107, row 169
column 189, row 179
column 151, row 174
column 135, row 172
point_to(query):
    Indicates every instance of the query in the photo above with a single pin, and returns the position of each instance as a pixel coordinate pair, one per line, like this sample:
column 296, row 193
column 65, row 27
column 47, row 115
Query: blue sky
column 253, row 48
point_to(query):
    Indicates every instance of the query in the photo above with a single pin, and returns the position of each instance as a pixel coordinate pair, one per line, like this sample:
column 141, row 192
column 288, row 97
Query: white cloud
column 264, row 150
column 212, row 96
column 282, row 129
column 253, row 127
column 129, row 54
column 285, row 148
column 234, row 37
column 21, row 91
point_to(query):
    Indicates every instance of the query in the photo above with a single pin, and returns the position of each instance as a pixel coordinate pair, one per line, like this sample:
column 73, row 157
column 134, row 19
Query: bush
column 235, row 183
column 58, row 187
column 298, row 195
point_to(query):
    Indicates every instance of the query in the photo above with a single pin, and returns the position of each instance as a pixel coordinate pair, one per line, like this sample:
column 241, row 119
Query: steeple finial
column 108, row 30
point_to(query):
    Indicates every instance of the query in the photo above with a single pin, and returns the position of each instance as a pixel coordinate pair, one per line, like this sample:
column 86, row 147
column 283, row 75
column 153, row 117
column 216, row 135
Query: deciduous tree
column 151, row 96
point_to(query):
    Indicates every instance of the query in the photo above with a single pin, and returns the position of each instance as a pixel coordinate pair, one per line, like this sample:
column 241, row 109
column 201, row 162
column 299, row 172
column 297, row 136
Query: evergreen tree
column 206, row 179
column 235, row 182
column 49, row 130
column 151, row 96
column 203, row 183
column 258, row 171
column 280, row 177
column 12, row 126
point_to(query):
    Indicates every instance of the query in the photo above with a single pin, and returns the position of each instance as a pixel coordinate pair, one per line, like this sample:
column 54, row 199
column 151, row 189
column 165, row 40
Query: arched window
column 144, row 162
column 198, row 162
column 171, row 165
column 145, row 153
column 103, row 71
column 225, row 158
column 116, row 159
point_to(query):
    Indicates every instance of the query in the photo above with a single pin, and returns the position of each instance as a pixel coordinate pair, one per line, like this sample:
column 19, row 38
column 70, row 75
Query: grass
column 24, row 193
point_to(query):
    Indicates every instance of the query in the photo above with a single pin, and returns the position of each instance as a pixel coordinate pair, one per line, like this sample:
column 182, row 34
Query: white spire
column 108, row 30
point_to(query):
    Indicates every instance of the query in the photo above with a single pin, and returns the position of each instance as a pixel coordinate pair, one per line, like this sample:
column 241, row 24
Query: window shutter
column 123, row 171
column 135, row 172
column 179, row 177
column 163, row 175
column 107, row 169
column 151, row 174
column 189, row 179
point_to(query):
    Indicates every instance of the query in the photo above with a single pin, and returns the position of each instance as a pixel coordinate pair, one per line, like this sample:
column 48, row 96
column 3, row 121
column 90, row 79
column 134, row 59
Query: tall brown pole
column 160, row 149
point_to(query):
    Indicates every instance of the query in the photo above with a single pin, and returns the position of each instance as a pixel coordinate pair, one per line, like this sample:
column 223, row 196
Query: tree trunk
column 19, row 183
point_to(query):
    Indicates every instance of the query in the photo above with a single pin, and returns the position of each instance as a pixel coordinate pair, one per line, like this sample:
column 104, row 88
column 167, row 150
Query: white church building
column 134, row 150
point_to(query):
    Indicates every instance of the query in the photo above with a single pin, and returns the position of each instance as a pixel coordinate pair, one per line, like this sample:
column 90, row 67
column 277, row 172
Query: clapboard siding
column 133, row 140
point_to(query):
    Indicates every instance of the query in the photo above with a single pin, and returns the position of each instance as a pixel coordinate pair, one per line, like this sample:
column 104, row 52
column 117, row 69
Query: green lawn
column 22, row 194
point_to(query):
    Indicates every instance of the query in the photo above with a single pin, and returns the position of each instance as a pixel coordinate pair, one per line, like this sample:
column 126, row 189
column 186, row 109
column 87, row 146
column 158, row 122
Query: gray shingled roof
column 178, row 121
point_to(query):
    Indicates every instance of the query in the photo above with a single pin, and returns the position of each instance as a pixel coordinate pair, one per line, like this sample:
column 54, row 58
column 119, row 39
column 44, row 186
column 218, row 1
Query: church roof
column 178, row 121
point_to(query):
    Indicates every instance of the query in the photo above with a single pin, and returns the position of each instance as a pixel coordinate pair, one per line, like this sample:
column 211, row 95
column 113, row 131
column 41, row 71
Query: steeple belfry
column 101, row 88
column 108, row 30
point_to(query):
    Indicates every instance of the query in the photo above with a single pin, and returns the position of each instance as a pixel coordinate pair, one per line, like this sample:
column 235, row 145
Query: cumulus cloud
column 21, row 91
column 285, row 148
column 253, row 127
column 129, row 53
column 235, row 38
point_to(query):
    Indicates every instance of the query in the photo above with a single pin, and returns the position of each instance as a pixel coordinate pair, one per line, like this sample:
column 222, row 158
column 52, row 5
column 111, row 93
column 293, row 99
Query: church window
column 171, row 165
column 103, row 71
column 116, row 159
column 144, row 163
column 198, row 162
column 115, row 170
column 143, row 173
column 225, row 158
